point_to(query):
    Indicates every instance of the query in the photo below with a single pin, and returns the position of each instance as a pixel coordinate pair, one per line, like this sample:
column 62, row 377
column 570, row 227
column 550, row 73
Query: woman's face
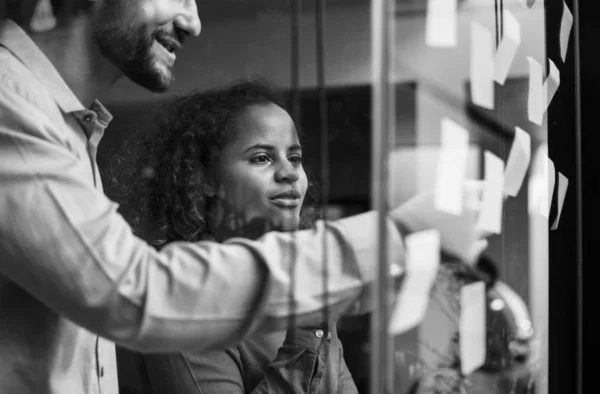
column 259, row 174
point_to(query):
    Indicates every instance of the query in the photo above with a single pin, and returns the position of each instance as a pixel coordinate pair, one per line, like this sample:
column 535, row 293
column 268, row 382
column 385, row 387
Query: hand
column 458, row 233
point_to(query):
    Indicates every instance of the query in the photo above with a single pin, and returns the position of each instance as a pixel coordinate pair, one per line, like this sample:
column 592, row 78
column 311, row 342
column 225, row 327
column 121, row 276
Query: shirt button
column 101, row 371
column 328, row 335
column 88, row 118
column 319, row 333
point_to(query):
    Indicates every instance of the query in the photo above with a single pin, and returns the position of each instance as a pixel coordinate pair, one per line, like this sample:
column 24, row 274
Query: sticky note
column 546, row 201
column 422, row 263
column 551, row 84
column 565, row 30
column 535, row 101
column 541, row 92
column 472, row 327
column 563, row 185
column 441, row 25
column 541, row 187
column 490, row 215
column 518, row 163
column 482, row 66
column 508, row 47
column 452, row 167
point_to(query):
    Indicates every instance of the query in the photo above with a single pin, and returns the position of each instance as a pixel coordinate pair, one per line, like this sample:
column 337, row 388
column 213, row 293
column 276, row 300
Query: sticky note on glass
column 546, row 202
column 482, row 66
column 472, row 327
column 541, row 188
column 541, row 92
column 551, row 84
column 563, row 185
column 508, row 47
column 422, row 263
column 536, row 97
column 441, row 25
column 565, row 31
column 518, row 163
column 490, row 215
column 452, row 167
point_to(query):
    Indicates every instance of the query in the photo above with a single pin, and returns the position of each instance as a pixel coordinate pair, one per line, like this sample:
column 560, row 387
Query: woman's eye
column 261, row 159
column 296, row 160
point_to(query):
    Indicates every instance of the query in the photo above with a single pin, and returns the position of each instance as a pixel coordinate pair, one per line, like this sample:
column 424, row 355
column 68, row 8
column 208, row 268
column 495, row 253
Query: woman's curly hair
column 164, row 192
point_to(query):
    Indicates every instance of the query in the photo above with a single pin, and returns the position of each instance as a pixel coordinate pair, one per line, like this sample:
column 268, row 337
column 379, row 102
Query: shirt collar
column 13, row 38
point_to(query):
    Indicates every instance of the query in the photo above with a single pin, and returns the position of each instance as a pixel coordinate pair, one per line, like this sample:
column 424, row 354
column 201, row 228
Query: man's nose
column 189, row 20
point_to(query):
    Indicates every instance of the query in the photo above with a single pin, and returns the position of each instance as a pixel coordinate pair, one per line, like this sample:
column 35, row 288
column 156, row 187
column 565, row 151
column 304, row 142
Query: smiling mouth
column 168, row 47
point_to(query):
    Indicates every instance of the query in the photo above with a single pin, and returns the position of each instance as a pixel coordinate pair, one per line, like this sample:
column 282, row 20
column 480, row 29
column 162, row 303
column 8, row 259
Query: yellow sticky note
column 482, row 66
column 441, row 26
column 490, row 216
column 422, row 263
column 472, row 327
column 508, row 47
column 452, row 167
column 518, row 162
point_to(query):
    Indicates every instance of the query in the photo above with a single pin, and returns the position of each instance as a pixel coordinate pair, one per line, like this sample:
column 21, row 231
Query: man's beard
column 130, row 49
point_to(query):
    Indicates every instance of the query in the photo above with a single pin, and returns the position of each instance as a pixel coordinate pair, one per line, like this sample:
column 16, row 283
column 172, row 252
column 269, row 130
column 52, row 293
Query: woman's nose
column 287, row 173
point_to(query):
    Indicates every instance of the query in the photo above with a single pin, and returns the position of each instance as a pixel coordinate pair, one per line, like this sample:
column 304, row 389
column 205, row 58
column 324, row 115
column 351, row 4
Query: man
column 73, row 277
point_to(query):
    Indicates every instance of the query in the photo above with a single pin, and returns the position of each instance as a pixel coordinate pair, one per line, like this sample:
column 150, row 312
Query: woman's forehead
column 267, row 123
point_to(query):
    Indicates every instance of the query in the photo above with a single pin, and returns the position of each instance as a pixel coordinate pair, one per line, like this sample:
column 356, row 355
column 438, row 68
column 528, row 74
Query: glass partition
column 489, row 83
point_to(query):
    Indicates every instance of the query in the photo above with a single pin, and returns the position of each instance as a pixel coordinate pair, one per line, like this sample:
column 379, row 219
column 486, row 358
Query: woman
column 228, row 163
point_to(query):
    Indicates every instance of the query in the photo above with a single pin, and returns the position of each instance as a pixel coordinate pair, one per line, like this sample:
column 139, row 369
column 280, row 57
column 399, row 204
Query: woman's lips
column 285, row 202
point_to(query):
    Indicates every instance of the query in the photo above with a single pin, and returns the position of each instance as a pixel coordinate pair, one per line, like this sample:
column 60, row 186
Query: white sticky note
column 542, row 188
column 565, row 31
column 441, row 25
column 472, row 327
column 541, row 183
column 482, row 66
column 490, row 216
column 452, row 167
column 551, row 84
column 546, row 201
column 508, row 47
column 535, row 101
column 422, row 263
column 518, row 163
column 563, row 185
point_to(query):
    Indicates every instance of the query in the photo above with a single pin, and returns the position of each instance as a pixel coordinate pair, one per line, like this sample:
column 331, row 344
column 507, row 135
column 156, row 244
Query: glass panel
column 443, row 75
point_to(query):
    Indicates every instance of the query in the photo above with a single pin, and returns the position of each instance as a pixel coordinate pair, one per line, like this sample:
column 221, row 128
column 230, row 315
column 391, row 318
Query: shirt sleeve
column 63, row 241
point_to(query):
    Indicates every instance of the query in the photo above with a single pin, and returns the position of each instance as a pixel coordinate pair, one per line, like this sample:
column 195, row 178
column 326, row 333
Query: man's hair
column 165, row 192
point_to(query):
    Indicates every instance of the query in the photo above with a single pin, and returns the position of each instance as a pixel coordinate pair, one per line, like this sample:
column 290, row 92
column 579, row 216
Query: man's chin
column 155, row 80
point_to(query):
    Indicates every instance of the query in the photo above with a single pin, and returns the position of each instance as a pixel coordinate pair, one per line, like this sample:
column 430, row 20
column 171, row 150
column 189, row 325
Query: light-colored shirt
column 72, row 272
